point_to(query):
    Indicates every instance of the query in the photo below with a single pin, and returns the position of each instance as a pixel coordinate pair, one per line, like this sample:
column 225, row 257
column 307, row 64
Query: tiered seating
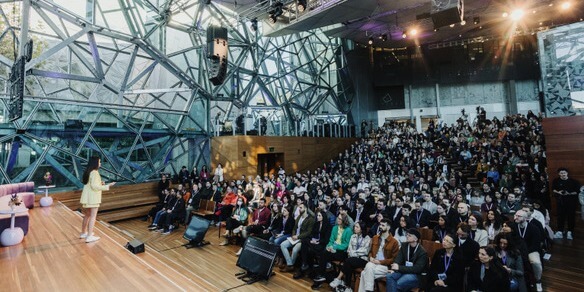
column 119, row 203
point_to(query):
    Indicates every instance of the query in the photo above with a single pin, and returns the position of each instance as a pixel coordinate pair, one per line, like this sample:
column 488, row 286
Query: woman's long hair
column 495, row 264
column 92, row 164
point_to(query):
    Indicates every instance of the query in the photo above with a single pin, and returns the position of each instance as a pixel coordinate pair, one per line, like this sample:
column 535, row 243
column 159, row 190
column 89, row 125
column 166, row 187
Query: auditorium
column 292, row 145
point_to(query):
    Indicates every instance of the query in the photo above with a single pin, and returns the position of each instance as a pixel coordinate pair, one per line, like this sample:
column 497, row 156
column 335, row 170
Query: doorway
column 269, row 163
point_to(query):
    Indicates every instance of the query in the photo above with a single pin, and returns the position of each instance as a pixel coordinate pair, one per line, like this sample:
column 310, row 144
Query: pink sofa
column 25, row 190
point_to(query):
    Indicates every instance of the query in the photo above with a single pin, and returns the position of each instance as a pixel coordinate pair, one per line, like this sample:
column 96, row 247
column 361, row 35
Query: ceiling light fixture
column 370, row 40
column 463, row 22
column 404, row 35
column 452, row 25
column 414, row 32
column 476, row 20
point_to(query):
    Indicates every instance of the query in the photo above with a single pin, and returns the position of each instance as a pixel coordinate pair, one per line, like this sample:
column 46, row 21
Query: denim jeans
column 290, row 258
column 157, row 217
column 279, row 240
column 401, row 282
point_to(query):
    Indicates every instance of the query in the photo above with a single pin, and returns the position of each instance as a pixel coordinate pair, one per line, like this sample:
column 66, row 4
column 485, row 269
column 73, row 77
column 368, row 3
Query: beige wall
column 300, row 153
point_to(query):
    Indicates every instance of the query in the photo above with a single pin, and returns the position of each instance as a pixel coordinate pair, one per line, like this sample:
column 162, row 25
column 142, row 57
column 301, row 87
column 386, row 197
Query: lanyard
column 524, row 230
column 359, row 241
column 417, row 245
column 418, row 216
column 447, row 264
column 442, row 233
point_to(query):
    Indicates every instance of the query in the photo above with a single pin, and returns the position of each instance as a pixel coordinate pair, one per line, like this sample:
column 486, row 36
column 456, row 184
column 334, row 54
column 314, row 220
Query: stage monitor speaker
column 135, row 246
column 447, row 12
column 257, row 257
column 217, row 53
column 196, row 230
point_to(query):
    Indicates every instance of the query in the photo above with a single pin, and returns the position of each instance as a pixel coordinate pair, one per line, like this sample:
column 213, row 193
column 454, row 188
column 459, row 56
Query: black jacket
column 492, row 281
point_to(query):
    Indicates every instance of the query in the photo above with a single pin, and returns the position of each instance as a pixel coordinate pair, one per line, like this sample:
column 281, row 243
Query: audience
column 374, row 185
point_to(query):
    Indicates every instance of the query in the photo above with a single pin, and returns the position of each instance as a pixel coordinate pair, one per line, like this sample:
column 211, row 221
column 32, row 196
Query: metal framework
column 134, row 73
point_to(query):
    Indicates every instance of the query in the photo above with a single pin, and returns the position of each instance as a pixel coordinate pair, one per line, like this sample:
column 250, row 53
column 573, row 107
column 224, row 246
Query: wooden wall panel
column 300, row 153
column 564, row 146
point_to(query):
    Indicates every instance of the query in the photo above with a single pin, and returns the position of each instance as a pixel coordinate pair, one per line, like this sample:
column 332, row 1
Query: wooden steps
column 123, row 214
column 119, row 203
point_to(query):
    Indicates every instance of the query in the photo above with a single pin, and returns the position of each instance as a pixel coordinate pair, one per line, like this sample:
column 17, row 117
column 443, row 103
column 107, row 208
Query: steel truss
column 134, row 73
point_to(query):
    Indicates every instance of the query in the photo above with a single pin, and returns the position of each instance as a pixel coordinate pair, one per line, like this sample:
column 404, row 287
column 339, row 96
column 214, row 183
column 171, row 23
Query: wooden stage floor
column 52, row 258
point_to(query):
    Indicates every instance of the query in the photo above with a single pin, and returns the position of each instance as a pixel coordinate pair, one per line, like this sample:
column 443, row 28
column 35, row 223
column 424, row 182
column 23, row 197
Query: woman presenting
column 91, row 197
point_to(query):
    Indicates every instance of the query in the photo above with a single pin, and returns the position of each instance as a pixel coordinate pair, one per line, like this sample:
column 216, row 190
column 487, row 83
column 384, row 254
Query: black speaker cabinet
column 257, row 257
column 135, row 246
column 447, row 12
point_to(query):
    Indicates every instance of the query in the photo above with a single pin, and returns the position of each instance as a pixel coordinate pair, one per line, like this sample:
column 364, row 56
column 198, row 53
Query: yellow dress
column 91, row 195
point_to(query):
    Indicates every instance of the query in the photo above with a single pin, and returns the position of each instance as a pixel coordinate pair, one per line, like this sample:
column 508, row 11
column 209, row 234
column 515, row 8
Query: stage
column 53, row 258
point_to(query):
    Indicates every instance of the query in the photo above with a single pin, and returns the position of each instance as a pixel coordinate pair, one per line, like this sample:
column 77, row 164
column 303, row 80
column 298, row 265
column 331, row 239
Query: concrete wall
column 446, row 101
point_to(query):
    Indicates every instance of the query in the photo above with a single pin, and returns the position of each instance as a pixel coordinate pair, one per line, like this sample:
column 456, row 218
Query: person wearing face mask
column 488, row 274
column 238, row 218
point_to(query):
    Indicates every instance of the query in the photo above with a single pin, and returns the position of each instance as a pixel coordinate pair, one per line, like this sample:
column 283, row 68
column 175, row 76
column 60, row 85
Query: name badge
column 409, row 264
column 442, row 277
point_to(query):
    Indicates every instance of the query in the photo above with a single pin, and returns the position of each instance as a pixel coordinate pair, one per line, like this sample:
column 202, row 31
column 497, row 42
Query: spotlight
column 566, row 5
column 254, row 24
column 463, row 22
column 404, row 35
column 517, row 14
column 505, row 14
column 370, row 40
column 413, row 32
column 301, row 5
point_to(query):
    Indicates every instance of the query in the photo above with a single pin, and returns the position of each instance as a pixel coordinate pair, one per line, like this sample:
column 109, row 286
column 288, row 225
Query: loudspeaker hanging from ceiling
column 217, row 49
column 447, row 12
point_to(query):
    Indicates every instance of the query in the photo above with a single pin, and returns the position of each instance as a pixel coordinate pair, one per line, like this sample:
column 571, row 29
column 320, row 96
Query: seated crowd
column 362, row 214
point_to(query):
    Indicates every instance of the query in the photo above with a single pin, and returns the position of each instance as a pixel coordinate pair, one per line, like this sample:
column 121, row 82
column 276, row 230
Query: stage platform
column 52, row 258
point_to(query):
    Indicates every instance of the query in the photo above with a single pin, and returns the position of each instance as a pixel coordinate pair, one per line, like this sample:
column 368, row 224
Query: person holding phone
column 91, row 197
